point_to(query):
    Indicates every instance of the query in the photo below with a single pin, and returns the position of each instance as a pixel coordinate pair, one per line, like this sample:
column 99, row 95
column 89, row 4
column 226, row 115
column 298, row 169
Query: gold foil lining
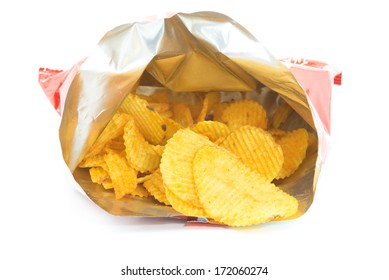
column 191, row 53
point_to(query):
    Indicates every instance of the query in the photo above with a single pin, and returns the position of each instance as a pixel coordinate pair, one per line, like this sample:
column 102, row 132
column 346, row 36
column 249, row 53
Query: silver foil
column 187, row 53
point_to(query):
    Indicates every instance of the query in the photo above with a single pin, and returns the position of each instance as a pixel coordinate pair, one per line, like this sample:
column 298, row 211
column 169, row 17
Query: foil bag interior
column 187, row 53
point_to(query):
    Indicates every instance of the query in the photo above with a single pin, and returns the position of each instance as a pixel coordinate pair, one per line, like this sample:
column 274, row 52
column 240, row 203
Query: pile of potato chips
column 213, row 159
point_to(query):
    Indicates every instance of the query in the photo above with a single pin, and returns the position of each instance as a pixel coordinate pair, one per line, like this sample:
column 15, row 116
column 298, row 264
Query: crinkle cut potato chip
column 182, row 114
column 257, row 149
column 155, row 187
column 244, row 112
column 140, row 154
column 99, row 176
column 294, row 145
column 184, row 207
column 212, row 129
column 113, row 129
column 232, row 194
column 176, row 165
column 147, row 119
column 123, row 176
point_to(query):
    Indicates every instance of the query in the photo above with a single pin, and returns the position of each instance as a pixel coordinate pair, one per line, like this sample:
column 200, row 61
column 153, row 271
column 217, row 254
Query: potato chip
column 217, row 110
column 281, row 115
column 116, row 144
column 212, row 129
column 257, row 149
column 276, row 133
column 155, row 187
column 159, row 149
column 147, row 119
column 184, row 207
column 294, row 146
column 113, row 129
column 244, row 112
column 233, row 194
column 140, row 154
column 93, row 161
column 182, row 114
column 160, row 106
column 123, row 176
column 141, row 180
column 140, row 191
column 99, row 176
column 176, row 165
column 210, row 99
column 170, row 126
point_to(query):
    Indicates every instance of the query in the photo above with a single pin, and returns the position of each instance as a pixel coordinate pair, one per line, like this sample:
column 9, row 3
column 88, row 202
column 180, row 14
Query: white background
column 50, row 231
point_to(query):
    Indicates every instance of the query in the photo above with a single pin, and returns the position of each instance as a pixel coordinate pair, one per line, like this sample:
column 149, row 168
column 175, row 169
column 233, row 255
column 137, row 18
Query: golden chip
column 93, row 161
column 159, row 149
column 140, row 154
column 140, row 191
column 170, row 127
column 210, row 99
column 99, row 176
column 176, row 165
column 217, row 110
column 294, row 146
column 123, row 176
column 244, row 112
column 184, row 207
column 182, row 114
column 233, row 194
column 143, row 179
column 155, row 187
column 147, row 119
column 281, row 115
column 212, row 129
column 257, row 149
column 113, row 129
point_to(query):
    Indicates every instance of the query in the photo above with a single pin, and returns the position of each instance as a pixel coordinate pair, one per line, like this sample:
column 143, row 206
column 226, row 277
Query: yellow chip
column 99, row 176
column 257, row 149
column 159, row 149
column 233, row 194
column 170, row 127
column 116, row 144
column 93, row 161
column 143, row 179
column 123, row 176
column 294, row 146
column 140, row 154
column 182, row 114
column 176, row 164
column 155, row 187
column 218, row 109
column 281, row 115
column 244, row 112
column 160, row 106
column 184, row 207
column 276, row 133
column 210, row 99
column 113, row 129
column 213, row 130
column 147, row 119
column 140, row 191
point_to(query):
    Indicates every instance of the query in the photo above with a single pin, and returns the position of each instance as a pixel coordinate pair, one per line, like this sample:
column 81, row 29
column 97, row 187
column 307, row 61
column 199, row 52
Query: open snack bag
column 191, row 117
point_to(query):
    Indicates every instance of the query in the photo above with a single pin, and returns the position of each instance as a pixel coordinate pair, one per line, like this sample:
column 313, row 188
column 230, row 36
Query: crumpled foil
column 187, row 53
